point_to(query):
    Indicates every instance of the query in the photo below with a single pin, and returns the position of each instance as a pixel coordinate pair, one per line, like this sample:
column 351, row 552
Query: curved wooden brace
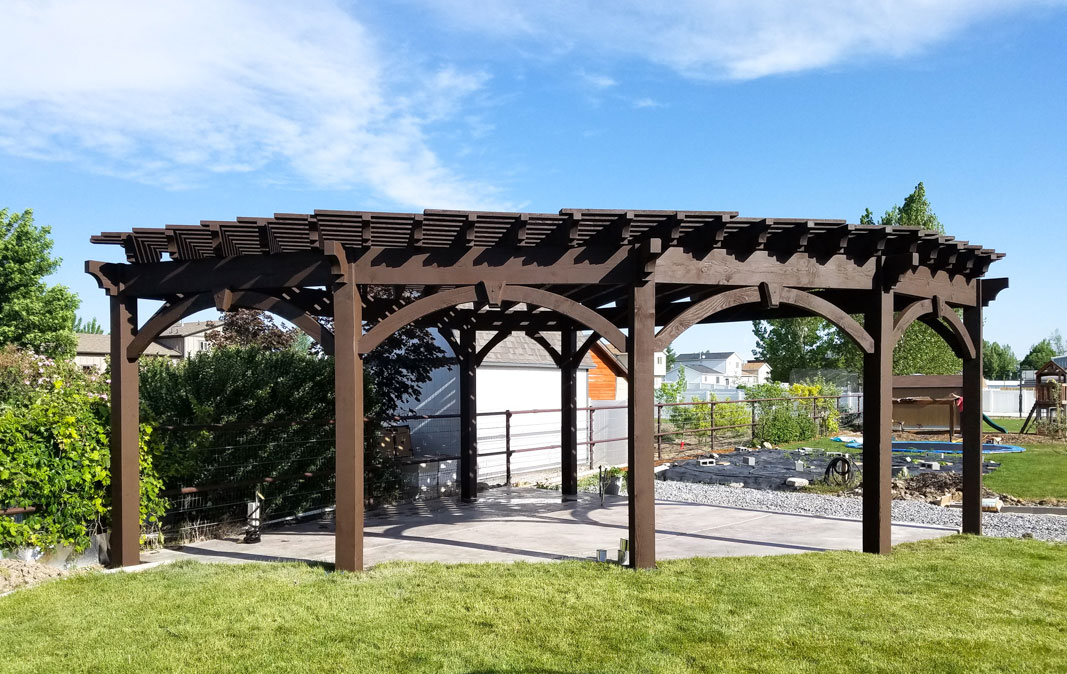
column 568, row 307
column 579, row 355
column 250, row 299
column 449, row 298
column 703, row 309
column 551, row 350
column 832, row 313
column 942, row 319
column 166, row 316
column 409, row 313
column 912, row 312
column 752, row 295
column 500, row 336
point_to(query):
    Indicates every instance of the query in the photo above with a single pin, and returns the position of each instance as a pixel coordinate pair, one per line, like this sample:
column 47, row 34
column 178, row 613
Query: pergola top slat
column 297, row 232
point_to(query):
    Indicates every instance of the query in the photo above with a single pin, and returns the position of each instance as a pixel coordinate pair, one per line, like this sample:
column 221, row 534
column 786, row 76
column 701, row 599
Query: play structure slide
column 995, row 427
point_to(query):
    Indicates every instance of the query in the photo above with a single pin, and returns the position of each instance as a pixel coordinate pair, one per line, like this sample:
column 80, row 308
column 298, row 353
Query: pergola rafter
column 637, row 278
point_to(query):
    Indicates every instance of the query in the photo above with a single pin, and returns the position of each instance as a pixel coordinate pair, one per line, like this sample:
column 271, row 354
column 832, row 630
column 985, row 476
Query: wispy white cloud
column 597, row 81
column 172, row 92
column 647, row 102
column 734, row 39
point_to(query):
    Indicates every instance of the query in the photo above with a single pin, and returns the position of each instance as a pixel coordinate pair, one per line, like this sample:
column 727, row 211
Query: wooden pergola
column 637, row 279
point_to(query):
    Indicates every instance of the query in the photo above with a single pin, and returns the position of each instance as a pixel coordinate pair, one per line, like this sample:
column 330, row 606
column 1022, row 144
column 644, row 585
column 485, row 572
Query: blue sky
column 118, row 115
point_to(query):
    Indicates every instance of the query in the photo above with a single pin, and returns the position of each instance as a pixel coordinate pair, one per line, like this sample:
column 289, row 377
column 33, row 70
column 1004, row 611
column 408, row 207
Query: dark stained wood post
column 640, row 416
column 125, row 437
column 468, row 414
column 348, row 382
column 878, row 425
column 971, row 420
column 568, row 375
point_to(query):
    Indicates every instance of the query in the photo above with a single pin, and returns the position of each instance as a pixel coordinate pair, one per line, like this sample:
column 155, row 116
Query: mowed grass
column 1038, row 473
column 961, row 604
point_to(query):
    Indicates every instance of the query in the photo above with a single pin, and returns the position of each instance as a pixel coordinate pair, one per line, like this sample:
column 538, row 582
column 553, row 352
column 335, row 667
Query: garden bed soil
column 15, row 573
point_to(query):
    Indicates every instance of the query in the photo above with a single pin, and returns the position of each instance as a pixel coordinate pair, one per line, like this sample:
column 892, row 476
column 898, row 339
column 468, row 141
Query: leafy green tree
column 672, row 358
column 796, row 343
column 1039, row 354
column 33, row 314
column 90, row 327
column 999, row 361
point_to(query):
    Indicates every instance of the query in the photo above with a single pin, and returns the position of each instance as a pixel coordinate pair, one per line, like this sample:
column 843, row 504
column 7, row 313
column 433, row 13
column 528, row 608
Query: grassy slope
column 958, row 605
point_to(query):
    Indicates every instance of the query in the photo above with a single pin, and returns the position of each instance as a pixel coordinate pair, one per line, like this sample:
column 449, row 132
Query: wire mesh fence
column 284, row 470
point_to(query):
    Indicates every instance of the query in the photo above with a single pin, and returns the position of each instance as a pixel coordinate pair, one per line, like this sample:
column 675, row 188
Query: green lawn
column 1009, row 424
column 962, row 604
column 1038, row 473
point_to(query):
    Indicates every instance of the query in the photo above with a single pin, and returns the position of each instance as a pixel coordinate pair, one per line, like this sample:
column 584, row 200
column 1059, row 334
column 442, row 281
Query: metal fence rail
column 287, row 467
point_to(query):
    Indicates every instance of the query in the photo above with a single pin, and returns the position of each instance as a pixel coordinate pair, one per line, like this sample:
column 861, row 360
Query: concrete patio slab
column 525, row 524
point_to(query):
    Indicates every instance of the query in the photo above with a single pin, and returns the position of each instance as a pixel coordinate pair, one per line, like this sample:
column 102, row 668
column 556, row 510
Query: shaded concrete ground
column 513, row 524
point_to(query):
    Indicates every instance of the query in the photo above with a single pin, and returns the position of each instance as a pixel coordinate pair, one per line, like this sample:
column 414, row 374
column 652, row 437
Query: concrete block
column 798, row 465
column 992, row 505
column 796, row 482
column 707, row 462
column 930, row 465
column 750, row 461
column 736, row 485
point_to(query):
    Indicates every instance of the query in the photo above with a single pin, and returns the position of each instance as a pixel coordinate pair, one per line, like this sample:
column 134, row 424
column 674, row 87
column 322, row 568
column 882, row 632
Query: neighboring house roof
column 706, row 355
column 612, row 357
column 753, row 366
column 189, row 328
column 100, row 345
column 697, row 367
column 518, row 349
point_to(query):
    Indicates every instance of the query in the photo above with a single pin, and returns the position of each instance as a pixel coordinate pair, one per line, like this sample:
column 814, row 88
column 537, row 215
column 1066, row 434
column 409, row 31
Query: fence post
column 591, row 440
column 589, row 437
column 815, row 412
column 507, row 445
column 659, row 438
column 711, row 431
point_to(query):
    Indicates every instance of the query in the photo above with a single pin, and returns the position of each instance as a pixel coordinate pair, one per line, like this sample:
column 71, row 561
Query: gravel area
column 1006, row 525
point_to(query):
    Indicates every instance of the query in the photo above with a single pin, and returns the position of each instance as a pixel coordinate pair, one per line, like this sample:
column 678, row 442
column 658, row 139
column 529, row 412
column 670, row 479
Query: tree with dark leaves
column 248, row 327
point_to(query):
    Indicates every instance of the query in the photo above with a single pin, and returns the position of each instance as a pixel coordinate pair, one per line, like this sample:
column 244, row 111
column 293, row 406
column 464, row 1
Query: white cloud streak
column 733, row 39
column 172, row 92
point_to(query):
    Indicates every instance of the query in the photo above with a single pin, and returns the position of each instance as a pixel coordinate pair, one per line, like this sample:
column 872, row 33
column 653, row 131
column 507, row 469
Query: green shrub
column 795, row 417
column 249, row 384
column 54, row 454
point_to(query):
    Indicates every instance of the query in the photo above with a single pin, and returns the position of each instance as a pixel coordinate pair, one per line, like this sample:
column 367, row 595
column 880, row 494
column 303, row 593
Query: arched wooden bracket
column 425, row 306
column 586, row 345
column 452, row 340
column 753, row 295
column 166, row 316
column 547, row 346
column 942, row 319
column 489, row 346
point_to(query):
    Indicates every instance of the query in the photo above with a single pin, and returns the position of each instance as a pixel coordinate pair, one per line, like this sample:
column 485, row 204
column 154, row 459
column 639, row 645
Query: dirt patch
column 15, row 573
column 932, row 486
